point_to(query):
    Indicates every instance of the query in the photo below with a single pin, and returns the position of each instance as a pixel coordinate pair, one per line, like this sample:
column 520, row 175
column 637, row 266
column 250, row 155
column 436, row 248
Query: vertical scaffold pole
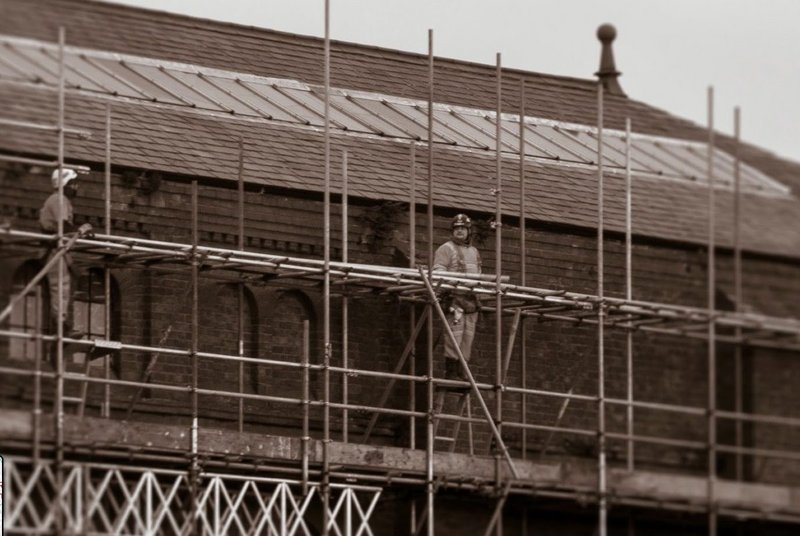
column 629, row 457
column 712, row 327
column 601, row 407
column 306, row 381
column 412, row 316
column 59, row 394
column 326, row 299
column 106, row 408
column 194, row 470
column 345, row 303
column 429, row 429
column 498, row 251
column 629, row 294
column 737, row 284
column 523, row 268
column 37, row 378
column 240, row 287
column 412, row 261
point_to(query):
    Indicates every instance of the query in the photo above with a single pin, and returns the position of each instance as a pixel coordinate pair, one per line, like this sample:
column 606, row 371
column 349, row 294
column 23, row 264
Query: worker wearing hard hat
column 48, row 221
column 461, row 308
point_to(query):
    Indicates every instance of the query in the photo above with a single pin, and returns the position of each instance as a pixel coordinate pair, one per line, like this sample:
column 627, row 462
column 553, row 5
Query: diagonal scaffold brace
column 468, row 372
column 61, row 251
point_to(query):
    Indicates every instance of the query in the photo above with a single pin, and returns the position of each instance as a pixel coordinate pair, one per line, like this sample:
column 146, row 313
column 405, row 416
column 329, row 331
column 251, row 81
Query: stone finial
column 608, row 72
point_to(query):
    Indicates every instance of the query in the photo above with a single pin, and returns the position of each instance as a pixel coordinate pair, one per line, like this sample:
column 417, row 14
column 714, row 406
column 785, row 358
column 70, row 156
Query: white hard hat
column 67, row 175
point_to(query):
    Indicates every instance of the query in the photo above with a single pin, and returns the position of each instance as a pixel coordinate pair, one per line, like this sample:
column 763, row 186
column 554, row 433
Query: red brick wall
column 559, row 355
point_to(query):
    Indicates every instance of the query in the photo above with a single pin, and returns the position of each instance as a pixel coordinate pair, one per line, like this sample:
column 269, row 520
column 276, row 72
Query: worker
column 48, row 221
column 461, row 307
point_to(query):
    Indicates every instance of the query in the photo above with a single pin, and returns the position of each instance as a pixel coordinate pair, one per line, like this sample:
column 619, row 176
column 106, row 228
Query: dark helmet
column 461, row 220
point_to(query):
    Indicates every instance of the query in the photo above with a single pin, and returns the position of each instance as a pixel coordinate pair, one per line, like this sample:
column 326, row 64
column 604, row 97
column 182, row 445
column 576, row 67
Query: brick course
column 560, row 355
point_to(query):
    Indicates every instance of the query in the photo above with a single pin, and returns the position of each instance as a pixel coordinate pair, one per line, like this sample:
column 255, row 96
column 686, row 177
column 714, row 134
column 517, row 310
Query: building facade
column 255, row 354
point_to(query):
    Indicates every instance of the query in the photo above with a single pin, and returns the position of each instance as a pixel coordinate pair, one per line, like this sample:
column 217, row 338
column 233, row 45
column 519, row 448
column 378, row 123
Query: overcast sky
column 669, row 51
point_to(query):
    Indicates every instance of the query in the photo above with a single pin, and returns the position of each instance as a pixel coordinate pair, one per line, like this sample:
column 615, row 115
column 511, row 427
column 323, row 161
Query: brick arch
column 23, row 316
column 282, row 333
column 219, row 333
column 89, row 287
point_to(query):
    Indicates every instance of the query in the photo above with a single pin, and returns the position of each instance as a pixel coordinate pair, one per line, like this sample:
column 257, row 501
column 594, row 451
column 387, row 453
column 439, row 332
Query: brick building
column 230, row 371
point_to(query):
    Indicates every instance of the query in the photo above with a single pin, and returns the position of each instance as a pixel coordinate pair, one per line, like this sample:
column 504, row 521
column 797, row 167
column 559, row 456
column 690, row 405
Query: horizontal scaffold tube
column 626, row 314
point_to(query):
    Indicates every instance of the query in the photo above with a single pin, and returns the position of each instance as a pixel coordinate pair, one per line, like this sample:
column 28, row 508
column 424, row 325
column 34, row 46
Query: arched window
column 30, row 314
column 282, row 333
column 228, row 312
column 89, row 307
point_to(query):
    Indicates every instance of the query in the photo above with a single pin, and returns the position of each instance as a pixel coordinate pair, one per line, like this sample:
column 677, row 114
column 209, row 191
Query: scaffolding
column 208, row 496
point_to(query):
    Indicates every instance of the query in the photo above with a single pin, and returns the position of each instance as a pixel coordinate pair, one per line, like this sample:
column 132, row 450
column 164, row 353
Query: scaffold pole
column 712, row 326
column 345, row 302
column 194, row 428
column 240, row 288
column 499, row 369
column 306, row 439
column 737, row 284
column 326, row 299
column 106, row 407
column 61, row 306
column 523, row 268
column 629, row 458
column 601, row 407
column 429, row 484
column 412, row 263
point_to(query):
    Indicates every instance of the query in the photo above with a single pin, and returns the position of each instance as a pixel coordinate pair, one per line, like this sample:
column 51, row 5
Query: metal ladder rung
column 463, row 402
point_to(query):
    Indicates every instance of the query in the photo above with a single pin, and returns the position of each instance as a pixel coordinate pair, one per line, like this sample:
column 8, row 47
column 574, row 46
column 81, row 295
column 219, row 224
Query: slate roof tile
column 181, row 142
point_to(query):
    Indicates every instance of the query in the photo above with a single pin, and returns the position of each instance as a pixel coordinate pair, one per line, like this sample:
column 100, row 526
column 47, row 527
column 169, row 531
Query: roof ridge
column 226, row 27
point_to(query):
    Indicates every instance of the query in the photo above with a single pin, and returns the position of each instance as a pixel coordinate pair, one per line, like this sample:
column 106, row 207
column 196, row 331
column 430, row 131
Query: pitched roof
column 119, row 28
column 367, row 113
column 290, row 157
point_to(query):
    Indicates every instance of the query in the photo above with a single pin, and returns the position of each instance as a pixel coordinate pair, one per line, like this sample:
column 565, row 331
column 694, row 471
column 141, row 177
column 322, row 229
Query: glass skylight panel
column 364, row 121
column 315, row 104
column 116, row 84
column 82, row 75
column 246, row 97
column 566, row 139
column 542, row 136
column 508, row 138
column 613, row 147
column 368, row 113
column 419, row 114
column 617, row 144
column 190, row 84
column 122, row 70
column 266, row 99
column 168, row 84
column 470, row 136
column 405, row 126
column 20, row 60
column 378, row 122
column 10, row 72
column 681, row 159
column 236, row 98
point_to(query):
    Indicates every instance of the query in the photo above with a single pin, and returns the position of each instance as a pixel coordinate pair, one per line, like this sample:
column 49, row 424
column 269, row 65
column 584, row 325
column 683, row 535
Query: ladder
column 99, row 348
column 461, row 398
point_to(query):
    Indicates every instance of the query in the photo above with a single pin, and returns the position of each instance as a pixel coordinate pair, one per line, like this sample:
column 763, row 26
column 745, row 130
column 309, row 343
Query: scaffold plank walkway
column 408, row 284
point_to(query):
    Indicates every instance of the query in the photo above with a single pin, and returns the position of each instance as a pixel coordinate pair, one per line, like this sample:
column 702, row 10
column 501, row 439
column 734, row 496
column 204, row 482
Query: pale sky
column 669, row 51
